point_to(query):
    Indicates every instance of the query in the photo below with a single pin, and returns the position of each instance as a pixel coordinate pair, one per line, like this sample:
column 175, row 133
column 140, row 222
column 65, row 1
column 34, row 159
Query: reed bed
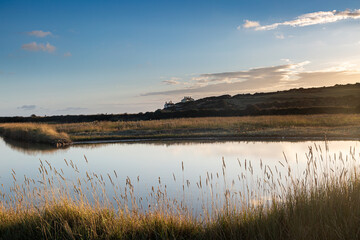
column 34, row 133
column 299, row 126
column 318, row 201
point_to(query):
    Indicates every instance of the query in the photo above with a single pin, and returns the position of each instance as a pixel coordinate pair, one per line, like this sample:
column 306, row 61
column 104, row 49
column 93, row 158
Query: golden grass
column 321, row 203
column 34, row 133
column 299, row 126
column 339, row 126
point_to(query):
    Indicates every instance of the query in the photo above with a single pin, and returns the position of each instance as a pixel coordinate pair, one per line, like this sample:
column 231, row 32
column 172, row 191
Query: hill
column 336, row 99
column 344, row 99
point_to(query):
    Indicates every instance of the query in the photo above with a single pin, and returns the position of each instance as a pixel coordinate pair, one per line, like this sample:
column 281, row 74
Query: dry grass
column 339, row 126
column 322, row 202
column 300, row 126
column 34, row 133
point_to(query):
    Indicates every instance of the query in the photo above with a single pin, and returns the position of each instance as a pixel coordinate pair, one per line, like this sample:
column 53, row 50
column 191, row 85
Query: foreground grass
column 325, row 213
column 278, row 127
column 34, row 133
column 323, row 204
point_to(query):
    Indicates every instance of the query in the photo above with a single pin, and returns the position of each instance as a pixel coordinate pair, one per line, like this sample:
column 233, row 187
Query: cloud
column 250, row 24
column 35, row 47
column 39, row 33
column 27, row 107
column 272, row 78
column 172, row 81
column 308, row 19
column 279, row 36
column 67, row 54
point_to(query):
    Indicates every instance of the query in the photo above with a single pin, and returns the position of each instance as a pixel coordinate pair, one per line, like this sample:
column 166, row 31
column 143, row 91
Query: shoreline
column 263, row 128
column 218, row 139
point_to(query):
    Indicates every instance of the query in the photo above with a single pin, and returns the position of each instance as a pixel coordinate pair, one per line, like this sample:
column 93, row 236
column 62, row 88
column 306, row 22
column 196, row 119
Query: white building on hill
column 168, row 104
column 187, row 99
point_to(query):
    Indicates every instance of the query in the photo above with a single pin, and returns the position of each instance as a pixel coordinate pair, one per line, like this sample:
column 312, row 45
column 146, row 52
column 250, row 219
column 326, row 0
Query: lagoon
column 197, row 174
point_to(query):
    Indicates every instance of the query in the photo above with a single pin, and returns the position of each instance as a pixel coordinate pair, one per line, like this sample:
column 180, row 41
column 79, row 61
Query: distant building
column 168, row 104
column 187, row 99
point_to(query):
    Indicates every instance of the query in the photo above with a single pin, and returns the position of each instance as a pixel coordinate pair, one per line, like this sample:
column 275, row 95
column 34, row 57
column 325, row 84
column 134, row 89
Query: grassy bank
column 322, row 204
column 34, row 133
column 277, row 127
column 316, row 127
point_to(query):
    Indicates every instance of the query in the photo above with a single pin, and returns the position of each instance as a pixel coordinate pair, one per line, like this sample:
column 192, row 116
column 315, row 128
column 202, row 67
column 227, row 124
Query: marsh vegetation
column 318, row 202
column 34, row 133
column 338, row 126
column 292, row 127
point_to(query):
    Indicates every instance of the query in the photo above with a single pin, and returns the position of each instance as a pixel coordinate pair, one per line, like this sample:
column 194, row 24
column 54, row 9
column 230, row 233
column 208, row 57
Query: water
column 159, row 165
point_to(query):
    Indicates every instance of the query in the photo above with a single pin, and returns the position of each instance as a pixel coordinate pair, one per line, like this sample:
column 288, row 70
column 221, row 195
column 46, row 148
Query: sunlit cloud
column 35, row 47
column 39, row 33
column 308, row 19
column 290, row 75
column 250, row 24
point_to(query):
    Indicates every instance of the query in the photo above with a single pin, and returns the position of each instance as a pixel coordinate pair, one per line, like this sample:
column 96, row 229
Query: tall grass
column 320, row 202
column 299, row 126
column 34, row 133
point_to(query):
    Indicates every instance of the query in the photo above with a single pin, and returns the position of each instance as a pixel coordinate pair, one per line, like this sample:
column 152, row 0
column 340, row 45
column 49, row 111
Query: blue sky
column 72, row 57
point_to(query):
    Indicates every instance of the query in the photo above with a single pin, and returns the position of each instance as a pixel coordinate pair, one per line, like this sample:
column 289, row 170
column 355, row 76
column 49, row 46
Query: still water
column 193, row 172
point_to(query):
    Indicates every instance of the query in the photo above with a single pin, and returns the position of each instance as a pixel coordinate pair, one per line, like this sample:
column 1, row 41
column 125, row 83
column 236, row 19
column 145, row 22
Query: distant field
column 309, row 126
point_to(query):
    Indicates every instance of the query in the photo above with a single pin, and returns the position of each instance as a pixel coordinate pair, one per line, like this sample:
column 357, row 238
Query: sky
column 90, row 57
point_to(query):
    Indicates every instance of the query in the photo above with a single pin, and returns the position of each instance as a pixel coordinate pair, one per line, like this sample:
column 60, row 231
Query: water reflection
column 31, row 149
column 148, row 164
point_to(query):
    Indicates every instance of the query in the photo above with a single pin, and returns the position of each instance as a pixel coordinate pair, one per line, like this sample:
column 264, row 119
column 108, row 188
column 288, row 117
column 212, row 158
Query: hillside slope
column 339, row 99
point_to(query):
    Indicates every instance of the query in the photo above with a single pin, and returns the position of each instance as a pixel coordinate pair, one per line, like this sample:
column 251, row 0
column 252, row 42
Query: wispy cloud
column 273, row 78
column 39, row 33
column 35, row 47
column 172, row 81
column 308, row 19
column 279, row 36
column 27, row 107
column 67, row 54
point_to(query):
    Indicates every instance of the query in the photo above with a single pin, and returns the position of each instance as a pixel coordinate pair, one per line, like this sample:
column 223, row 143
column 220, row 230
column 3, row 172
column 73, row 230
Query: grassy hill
column 339, row 99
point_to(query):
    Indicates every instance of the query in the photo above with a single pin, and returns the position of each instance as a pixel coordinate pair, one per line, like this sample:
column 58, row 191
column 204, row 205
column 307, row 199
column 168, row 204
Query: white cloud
column 310, row 19
column 250, row 24
column 35, row 47
column 39, row 33
column 279, row 36
column 67, row 54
